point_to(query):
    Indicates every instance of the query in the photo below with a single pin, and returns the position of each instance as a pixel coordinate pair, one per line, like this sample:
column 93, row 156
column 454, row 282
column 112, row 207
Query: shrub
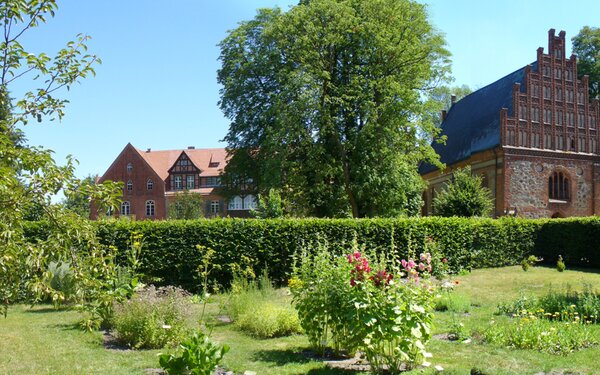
column 62, row 279
column 560, row 264
column 464, row 196
column 527, row 331
column 153, row 318
column 362, row 305
column 196, row 355
column 253, row 308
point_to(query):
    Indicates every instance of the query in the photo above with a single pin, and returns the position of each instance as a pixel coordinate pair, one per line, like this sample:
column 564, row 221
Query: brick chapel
column 532, row 136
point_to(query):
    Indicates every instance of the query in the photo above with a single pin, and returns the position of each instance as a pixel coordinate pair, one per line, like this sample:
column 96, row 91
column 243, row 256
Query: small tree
column 186, row 206
column 269, row 207
column 464, row 196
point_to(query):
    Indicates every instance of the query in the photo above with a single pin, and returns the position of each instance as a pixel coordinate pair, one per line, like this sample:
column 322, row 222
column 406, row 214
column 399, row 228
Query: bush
column 464, row 196
column 196, row 355
column 171, row 257
column 360, row 305
column 62, row 279
column 560, row 264
column 254, row 310
column 153, row 318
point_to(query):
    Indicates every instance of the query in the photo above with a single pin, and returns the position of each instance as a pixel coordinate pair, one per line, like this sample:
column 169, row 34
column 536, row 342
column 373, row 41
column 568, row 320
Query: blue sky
column 156, row 87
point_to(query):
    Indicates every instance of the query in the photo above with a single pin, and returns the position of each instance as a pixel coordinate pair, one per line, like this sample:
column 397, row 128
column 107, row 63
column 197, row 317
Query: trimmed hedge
column 171, row 257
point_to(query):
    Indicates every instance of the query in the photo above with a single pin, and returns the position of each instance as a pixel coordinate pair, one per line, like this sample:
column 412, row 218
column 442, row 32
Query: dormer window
column 213, row 164
column 129, row 167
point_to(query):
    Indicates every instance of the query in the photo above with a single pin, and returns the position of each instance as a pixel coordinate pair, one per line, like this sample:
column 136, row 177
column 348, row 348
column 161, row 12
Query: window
column 535, row 142
column 558, row 93
column 213, row 181
column 149, row 184
column 557, row 73
column 511, row 138
column 547, row 92
column 571, row 143
column 581, row 144
column 592, row 122
column 581, row 120
column 547, row 116
column 214, row 207
column 570, row 118
column 535, row 90
column 559, row 117
column 580, row 97
column 129, row 167
column 559, row 142
column 250, row 202
column 125, row 208
column 558, row 186
column 522, row 138
column 568, row 75
column 178, row 185
column 569, row 95
column 548, row 141
column 149, row 208
column 558, row 53
column 235, row 203
column 190, row 181
column 593, row 146
column 129, row 185
column 546, row 70
column 535, row 114
column 523, row 112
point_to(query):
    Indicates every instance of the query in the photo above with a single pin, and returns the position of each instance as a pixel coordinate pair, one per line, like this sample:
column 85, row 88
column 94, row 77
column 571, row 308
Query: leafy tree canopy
column 186, row 205
column 464, row 196
column 29, row 177
column 328, row 104
column 586, row 45
column 269, row 207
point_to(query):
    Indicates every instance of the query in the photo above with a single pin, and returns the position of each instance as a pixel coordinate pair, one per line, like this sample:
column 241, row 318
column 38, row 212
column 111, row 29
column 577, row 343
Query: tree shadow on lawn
column 290, row 356
column 36, row 309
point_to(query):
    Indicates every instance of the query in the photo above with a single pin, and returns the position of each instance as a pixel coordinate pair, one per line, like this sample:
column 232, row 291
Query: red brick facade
column 547, row 163
column 151, row 179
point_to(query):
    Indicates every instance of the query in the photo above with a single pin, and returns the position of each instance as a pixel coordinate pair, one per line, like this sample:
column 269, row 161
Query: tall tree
column 326, row 103
column 586, row 45
column 29, row 176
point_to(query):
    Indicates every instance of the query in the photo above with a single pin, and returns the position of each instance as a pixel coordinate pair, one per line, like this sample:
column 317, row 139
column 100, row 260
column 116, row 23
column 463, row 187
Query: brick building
column 152, row 178
column 532, row 135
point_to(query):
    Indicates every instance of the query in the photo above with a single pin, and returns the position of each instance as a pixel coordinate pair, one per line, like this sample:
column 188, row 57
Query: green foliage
column 152, row 318
column 526, row 330
column 186, row 205
column 77, row 198
column 197, row 355
column 29, row 177
column 586, row 45
column 560, row 264
column 441, row 99
column 62, row 279
column 457, row 303
column 270, row 207
column 528, row 262
column 253, row 311
column 457, row 331
column 344, row 301
column 327, row 103
column 464, row 196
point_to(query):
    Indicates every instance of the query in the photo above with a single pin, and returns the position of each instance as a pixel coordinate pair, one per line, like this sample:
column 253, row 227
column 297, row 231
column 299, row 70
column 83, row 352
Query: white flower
column 166, row 326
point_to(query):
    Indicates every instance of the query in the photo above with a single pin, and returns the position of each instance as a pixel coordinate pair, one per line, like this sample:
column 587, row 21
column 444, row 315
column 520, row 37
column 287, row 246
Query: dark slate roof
column 473, row 123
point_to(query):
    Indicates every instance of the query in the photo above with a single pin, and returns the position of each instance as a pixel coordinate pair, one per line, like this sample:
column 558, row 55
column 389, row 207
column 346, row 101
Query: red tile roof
column 211, row 161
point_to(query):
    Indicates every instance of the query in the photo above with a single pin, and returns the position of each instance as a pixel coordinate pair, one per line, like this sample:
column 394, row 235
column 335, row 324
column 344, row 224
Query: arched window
column 125, row 208
column 149, row 208
column 558, row 186
column 129, row 167
column 250, row 202
column 129, row 185
column 235, row 203
column 149, row 184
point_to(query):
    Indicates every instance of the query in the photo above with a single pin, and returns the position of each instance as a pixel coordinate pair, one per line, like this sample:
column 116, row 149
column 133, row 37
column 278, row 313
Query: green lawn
column 45, row 341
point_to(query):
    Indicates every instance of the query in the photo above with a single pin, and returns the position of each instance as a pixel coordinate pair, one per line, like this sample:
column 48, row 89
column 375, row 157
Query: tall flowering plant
column 383, row 308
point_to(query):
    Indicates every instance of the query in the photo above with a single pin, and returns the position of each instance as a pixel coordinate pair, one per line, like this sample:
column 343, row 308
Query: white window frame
column 235, row 203
column 129, row 185
column 129, row 167
column 149, row 184
column 250, row 202
column 178, row 182
column 189, row 178
column 150, row 208
column 214, row 207
column 126, row 208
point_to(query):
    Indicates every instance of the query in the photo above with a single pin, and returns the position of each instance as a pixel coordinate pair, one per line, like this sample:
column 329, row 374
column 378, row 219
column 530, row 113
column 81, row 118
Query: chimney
column 191, row 147
column 444, row 114
column 453, row 99
column 148, row 149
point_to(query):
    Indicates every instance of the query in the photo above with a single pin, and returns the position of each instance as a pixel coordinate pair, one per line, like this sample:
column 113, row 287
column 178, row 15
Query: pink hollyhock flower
column 357, row 254
column 429, row 259
column 404, row 263
column 421, row 267
column 429, row 268
column 352, row 282
column 411, row 263
column 423, row 257
column 350, row 258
